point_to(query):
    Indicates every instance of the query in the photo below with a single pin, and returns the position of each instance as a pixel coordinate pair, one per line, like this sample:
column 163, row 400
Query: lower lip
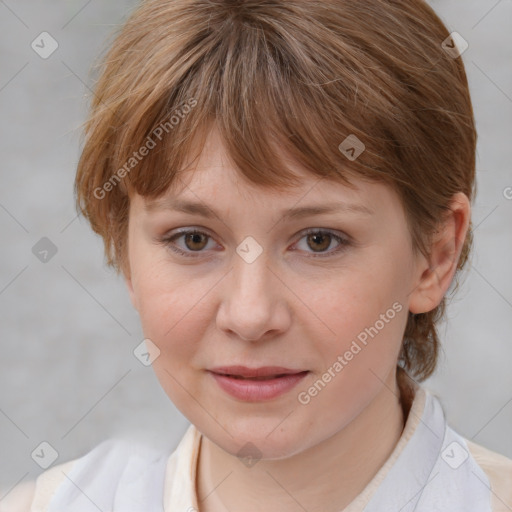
column 258, row 390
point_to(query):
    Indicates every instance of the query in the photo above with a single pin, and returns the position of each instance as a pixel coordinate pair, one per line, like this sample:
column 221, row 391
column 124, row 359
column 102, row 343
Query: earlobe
column 436, row 273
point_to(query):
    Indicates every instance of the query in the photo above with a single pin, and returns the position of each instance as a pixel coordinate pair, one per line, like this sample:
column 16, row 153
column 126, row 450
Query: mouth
column 260, row 373
column 268, row 377
column 257, row 384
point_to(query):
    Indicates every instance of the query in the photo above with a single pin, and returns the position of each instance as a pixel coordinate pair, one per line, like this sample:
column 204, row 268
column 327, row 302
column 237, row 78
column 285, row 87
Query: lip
column 262, row 371
column 251, row 390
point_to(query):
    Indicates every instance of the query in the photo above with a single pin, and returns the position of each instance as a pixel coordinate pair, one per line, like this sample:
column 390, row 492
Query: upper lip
column 262, row 371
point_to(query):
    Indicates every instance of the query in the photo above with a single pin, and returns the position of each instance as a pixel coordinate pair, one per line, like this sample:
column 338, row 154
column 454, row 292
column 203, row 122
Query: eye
column 322, row 240
column 194, row 241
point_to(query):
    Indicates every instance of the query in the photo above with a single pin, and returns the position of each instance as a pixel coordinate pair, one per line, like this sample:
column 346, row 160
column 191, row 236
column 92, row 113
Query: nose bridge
column 250, row 303
column 250, row 283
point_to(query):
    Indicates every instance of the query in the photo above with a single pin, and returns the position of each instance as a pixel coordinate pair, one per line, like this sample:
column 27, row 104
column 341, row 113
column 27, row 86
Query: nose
column 253, row 305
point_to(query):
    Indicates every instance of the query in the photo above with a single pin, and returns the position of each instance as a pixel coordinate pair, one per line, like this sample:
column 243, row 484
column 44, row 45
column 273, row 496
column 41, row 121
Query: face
column 324, row 293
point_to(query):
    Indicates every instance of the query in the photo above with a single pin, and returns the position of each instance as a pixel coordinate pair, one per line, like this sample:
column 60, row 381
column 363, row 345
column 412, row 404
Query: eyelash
column 168, row 241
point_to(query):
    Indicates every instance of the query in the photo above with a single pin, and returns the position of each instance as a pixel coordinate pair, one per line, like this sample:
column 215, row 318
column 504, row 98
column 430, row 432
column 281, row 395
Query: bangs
column 270, row 97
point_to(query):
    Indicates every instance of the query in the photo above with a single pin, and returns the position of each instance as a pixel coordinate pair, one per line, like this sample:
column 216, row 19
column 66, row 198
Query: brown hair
column 293, row 77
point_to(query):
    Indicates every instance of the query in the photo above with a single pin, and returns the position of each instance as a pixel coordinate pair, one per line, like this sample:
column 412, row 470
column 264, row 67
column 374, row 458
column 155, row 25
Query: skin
column 286, row 308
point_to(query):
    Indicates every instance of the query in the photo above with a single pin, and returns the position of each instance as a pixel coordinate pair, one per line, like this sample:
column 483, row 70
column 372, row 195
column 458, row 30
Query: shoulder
column 34, row 494
column 100, row 469
column 498, row 469
column 465, row 476
column 19, row 499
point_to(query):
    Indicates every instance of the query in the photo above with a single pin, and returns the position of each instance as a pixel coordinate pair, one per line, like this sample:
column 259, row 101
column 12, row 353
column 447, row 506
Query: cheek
column 165, row 310
column 364, row 314
column 366, row 317
column 173, row 311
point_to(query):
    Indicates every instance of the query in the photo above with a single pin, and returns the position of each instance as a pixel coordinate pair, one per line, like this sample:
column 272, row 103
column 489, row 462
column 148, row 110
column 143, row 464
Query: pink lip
column 262, row 371
column 252, row 390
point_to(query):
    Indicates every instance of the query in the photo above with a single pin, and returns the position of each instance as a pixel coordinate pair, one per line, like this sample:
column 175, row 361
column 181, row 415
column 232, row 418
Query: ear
column 435, row 275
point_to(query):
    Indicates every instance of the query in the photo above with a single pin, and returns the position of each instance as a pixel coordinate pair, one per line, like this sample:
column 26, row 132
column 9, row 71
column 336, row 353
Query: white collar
column 416, row 476
column 430, row 469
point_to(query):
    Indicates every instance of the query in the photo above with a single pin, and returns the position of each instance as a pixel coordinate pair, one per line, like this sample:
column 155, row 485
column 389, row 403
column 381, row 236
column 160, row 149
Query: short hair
column 284, row 77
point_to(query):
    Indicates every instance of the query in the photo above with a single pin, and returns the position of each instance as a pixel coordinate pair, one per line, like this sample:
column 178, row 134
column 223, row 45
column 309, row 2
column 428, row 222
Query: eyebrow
column 204, row 210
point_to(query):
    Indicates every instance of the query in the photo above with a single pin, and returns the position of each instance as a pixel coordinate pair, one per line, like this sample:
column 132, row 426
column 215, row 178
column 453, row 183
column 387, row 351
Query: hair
column 283, row 78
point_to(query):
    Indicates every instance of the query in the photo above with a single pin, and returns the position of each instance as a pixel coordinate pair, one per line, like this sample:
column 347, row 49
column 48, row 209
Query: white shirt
column 432, row 468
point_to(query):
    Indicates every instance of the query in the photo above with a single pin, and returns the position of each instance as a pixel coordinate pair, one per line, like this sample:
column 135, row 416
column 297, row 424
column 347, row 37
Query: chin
column 258, row 438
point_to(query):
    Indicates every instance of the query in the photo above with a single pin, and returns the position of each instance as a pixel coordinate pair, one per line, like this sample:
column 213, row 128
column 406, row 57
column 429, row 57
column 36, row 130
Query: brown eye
column 195, row 241
column 189, row 242
column 319, row 241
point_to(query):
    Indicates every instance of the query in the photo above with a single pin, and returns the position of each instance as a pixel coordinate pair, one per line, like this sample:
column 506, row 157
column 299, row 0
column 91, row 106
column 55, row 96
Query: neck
column 343, row 465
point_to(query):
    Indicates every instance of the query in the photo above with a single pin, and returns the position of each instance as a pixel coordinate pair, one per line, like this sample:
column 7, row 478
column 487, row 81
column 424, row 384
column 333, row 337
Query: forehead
column 224, row 186
column 220, row 193
column 213, row 179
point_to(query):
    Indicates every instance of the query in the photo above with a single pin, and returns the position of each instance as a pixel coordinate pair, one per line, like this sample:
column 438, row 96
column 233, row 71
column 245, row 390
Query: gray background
column 67, row 372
